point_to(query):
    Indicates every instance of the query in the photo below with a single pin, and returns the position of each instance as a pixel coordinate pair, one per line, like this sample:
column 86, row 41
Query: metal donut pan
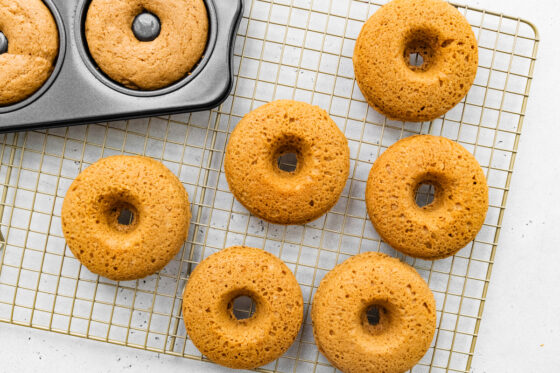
column 77, row 92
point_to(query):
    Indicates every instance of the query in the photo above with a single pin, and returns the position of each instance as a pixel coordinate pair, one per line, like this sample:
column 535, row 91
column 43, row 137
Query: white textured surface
column 521, row 311
column 520, row 328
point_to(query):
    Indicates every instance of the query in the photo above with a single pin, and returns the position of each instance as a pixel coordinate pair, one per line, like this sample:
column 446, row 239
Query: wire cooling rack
column 297, row 49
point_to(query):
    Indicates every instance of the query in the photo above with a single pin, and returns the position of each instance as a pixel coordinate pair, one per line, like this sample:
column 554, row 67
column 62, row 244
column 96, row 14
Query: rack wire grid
column 296, row 49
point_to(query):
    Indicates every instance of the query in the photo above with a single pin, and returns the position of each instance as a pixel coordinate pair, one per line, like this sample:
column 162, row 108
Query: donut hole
column 287, row 162
column 146, row 26
column 376, row 318
column 372, row 314
column 242, row 307
column 122, row 217
column 420, row 49
column 415, row 59
column 125, row 217
column 3, row 43
column 287, row 155
column 425, row 194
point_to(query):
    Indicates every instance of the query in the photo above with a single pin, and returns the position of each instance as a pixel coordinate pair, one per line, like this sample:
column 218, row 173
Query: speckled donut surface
column 94, row 202
column 146, row 65
column 208, row 301
column 406, row 315
column 460, row 203
column 32, row 48
column 277, row 128
column 398, row 88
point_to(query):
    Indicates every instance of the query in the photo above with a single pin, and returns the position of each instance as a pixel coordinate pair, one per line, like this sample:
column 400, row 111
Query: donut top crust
column 460, row 202
column 407, row 315
column 287, row 197
column 208, row 315
column 93, row 203
column 32, row 48
column 146, row 65
column 402, row 91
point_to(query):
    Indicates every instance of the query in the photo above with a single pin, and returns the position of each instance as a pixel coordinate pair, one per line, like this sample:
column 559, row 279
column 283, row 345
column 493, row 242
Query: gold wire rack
column 296, row 49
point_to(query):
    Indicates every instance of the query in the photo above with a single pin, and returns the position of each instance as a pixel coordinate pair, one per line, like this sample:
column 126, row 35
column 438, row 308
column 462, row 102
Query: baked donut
column 275, row 129
column 103, row 195
column 31, row 33
column 146, row 65
column 457, row 212
column 208, row 307
column 373, row 313
column 393, row 85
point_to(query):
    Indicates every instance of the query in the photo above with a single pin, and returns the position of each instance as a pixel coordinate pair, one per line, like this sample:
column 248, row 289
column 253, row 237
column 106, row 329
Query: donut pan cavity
column 78, row 91
column 57, row 66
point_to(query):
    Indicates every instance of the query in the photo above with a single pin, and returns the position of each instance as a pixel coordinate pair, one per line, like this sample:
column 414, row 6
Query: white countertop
column 520, row 331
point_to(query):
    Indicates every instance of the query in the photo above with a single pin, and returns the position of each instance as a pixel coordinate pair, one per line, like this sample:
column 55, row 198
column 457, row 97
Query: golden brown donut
column 457, row 213
column 400, row 90
column 277, row 128
column 32, row 48
column 146, row 65
column 96, row 199
column 406, row 315
column 208, row 307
